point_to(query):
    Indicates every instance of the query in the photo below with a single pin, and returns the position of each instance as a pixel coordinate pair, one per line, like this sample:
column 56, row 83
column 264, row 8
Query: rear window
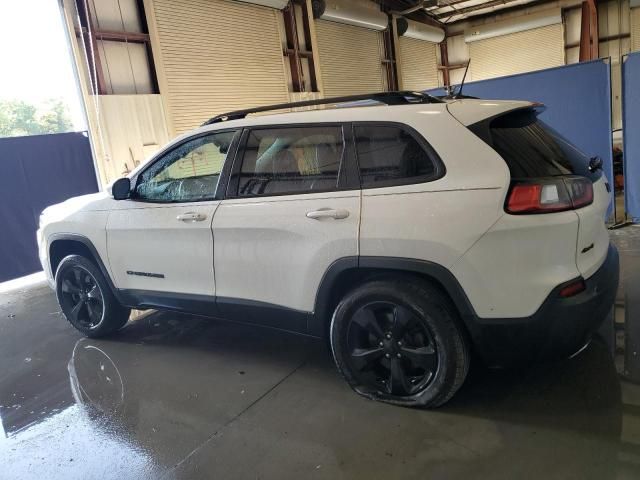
column 531, row 148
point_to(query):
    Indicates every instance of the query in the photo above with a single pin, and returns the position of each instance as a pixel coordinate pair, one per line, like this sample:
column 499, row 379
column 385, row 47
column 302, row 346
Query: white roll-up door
column 635, row 29
column 418, row 64
column 350, row 59
column 217, row 56
column 519, row 52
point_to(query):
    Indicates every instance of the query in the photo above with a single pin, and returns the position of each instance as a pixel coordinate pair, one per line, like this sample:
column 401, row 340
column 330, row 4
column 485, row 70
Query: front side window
column 389, row 155
column 188, row 173
column 283, row 161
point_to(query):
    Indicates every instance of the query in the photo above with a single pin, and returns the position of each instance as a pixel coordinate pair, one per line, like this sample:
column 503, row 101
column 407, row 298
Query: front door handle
column 337, row 214
column 191, row 217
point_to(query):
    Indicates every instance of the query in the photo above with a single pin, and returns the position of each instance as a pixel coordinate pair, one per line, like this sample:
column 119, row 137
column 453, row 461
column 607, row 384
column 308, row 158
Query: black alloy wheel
column 400, row 340
column 390, row 349
column 87, row 299
column 81, row 298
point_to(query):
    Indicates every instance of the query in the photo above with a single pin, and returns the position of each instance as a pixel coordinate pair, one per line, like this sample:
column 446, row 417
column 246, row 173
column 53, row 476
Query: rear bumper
column 559, row 328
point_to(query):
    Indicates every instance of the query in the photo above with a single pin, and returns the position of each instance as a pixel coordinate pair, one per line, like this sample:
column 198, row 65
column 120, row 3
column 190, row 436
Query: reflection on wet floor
column 188, row 397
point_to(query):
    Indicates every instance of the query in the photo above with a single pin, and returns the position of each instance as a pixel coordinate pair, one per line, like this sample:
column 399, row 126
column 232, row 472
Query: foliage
column 18, row 117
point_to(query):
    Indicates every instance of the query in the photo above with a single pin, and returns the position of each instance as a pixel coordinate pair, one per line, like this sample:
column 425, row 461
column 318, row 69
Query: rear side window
column 531, row 148
column 389, row 155
column 283, row 161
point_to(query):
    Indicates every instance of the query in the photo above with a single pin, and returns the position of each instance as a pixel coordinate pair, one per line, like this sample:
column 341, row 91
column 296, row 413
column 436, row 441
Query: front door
column 161, row 240
column 288, row 219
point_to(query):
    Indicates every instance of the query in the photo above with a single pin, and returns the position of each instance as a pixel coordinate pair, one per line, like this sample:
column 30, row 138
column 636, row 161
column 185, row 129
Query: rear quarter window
column 390, row 155
column 531, row 148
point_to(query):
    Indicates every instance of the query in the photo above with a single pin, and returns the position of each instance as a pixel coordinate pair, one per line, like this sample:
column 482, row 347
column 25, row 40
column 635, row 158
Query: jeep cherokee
column 406, row 230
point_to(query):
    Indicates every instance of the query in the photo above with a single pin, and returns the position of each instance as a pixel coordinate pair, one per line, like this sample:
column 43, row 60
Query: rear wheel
column 399, row 341
column 86, row 299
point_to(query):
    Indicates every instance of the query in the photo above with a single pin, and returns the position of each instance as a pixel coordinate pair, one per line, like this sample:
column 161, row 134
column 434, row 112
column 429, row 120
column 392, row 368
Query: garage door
column 520, row 52
column 217, row 56
column 350, row 59
column 418, row 64
column 635, row 29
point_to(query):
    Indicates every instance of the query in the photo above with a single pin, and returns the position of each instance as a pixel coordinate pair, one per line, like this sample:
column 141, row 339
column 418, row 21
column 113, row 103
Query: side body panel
column 512, row 269
column 85, row 216
column 593, row 237
column 150, row 248
column 438, row 221
column 267, row 249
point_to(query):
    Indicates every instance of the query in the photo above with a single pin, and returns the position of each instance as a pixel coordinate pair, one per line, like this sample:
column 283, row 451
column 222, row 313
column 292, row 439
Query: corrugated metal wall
column 125, row 129
column 418, row 64
column 635, row 29
column 133, row 129
column 216, row 56
column 613, row 20
column 517, row 52
column 350, row 59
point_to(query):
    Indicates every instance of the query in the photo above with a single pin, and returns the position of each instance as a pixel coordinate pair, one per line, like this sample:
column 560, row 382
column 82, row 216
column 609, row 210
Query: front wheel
column 86, row 299
column 399, row 341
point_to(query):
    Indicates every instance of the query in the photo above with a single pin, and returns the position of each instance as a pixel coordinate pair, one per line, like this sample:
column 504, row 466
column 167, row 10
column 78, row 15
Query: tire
column 86, row 299
column 399, row 341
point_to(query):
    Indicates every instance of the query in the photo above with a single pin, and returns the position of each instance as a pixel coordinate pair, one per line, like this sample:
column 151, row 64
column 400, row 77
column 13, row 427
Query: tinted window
column 531, row 148
column 291, row 160
column 389, row 155
column 187, row 173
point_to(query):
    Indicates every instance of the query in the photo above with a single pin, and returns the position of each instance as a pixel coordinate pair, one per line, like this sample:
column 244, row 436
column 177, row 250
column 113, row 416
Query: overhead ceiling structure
column 448, row 11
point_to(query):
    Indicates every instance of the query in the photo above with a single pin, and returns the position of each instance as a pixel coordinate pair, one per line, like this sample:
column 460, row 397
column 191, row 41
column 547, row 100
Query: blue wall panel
column 36, row 172
column 577, row 98
column 631, row 129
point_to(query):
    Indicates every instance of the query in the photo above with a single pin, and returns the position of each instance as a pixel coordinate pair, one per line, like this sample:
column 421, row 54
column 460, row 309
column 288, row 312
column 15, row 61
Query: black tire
column 399, row 341
column 86, row 299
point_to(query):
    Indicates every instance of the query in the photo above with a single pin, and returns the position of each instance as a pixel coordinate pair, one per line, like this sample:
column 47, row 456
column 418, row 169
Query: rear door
column 291, row 212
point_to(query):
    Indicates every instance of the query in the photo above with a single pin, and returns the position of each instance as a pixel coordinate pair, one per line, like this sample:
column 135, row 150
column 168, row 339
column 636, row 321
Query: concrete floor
column 176, row 396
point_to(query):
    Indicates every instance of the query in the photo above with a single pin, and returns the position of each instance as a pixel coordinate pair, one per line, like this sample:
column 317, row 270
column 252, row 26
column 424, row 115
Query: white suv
column 409, row 233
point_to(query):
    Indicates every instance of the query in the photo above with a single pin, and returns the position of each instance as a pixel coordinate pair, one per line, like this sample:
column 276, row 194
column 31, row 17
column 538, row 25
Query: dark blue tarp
column 578, row 100
column 36, row 172
column 631, row 133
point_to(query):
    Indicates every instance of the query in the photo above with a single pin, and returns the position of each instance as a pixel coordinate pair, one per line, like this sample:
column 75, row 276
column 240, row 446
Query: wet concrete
column 178, row 396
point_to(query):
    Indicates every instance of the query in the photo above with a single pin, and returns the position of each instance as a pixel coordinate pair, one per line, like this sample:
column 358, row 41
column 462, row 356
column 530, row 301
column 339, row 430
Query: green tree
column 18, row 117
column 56, row 119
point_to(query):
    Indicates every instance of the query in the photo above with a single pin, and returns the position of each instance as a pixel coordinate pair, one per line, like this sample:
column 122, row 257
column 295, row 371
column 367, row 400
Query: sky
column 35, row 62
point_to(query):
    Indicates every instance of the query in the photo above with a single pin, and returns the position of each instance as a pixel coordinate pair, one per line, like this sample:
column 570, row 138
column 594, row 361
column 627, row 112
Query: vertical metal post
column 309, row 46
column 389, row 60
column 293, row 47
column 444, row 60
column 76, row 76
column 589, row 31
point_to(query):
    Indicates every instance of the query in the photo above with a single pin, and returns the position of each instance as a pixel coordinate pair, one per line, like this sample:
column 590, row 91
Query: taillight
column 580, row 190
column 547, row 195
column 573, row 288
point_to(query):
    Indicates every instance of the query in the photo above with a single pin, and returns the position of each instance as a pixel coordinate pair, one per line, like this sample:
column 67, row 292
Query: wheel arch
column 62, row 245
column 347, row 273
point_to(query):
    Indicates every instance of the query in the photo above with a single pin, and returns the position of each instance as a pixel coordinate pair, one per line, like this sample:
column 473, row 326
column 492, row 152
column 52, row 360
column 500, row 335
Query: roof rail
column 388, row 98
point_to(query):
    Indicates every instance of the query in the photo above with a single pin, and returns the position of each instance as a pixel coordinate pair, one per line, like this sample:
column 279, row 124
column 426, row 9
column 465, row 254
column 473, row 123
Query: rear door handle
column 191, row 217
column 337, row 214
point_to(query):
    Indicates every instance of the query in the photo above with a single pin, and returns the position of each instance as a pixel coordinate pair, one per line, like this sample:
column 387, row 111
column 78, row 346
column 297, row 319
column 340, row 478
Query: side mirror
column 121, row 189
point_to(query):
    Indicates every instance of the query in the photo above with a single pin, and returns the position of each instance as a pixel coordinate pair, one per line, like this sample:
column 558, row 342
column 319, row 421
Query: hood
column 92, row 201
